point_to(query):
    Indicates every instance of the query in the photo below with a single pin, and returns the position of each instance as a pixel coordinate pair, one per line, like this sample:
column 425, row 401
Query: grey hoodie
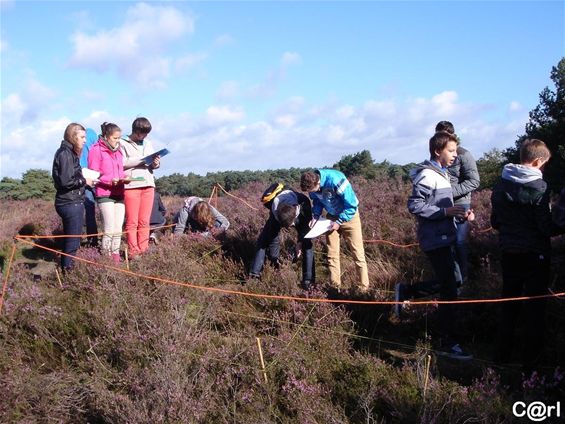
column 431, row 196
column 520, row 210
column 183, row 220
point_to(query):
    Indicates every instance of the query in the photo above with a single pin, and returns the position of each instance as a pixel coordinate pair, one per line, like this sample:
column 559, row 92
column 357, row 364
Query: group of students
column 440, row 200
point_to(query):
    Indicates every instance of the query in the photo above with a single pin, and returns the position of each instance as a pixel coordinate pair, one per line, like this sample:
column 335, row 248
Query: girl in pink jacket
column 106, row 157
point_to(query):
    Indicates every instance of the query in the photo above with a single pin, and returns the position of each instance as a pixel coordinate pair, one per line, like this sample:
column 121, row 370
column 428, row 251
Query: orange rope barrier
column 295, row 298
column 402, row 246
column 53, row 236
column 238, row 198
column 5, row 286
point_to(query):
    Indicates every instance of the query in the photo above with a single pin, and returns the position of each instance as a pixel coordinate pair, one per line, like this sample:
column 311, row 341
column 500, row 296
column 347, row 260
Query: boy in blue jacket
column 432, row 203
column 330, row 190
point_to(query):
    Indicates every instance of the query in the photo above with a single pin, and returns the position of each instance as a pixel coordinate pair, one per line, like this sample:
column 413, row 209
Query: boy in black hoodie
column 521, row 214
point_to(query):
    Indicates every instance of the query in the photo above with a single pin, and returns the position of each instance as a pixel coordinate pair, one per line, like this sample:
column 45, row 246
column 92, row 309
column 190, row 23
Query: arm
column 130, row 162
column 66, row 177
column 543, row 218
column 222, row 222
column 317, row 206
column 350, row 201
column 469, row 179
column 95, row 163
column 181, row 220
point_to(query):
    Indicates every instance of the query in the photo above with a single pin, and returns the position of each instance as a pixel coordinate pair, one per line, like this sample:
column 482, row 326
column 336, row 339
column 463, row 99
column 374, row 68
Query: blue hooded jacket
column 336, row 196
column 91, row 138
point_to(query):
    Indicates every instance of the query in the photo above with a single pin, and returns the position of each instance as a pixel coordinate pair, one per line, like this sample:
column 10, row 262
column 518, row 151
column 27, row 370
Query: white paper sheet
column 91, row 174
column 321, row 226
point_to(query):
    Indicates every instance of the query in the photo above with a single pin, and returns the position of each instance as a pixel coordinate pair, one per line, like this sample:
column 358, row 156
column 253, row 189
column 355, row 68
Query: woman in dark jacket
column 70, row 185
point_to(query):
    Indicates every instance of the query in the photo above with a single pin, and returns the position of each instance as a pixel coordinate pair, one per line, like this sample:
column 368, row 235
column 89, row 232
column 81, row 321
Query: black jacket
column 520, row 211
column 67, row 176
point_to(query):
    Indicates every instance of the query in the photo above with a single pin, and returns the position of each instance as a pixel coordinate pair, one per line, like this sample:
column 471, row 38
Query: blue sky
column 259, row 85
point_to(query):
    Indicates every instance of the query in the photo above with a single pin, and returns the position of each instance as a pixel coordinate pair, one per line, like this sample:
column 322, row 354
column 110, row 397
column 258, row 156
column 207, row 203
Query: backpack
column 271, row 192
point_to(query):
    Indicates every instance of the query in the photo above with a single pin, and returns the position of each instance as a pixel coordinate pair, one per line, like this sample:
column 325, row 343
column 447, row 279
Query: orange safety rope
column 52, row 236
column 402, row 246
column 5, row 286
column 238, row 198
column 295, row 298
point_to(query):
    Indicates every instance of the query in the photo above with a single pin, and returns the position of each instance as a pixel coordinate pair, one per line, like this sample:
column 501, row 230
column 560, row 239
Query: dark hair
column 141, row 126
column 439, row 141
column 108, row 129
column 532, row 149
column 286, row 214
column 445, row 126
column 309, row 180
column 202, row 214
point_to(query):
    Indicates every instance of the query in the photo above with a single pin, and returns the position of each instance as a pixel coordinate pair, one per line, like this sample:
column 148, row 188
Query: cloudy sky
column 259, row 85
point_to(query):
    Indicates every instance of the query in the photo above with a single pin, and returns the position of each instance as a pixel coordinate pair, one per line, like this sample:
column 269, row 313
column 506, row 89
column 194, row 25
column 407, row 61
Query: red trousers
column 139, row 202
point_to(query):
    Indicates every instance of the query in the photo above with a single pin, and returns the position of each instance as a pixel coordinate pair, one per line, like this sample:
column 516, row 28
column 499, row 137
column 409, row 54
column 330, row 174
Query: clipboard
column 322, row 225
column 149, row 158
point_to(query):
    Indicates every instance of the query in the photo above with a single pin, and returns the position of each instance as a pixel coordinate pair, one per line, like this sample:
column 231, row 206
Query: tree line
column 546, row 122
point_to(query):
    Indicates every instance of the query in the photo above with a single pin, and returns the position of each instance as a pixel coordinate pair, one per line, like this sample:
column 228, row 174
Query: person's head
column 310, row 181
column 111, row 133
column 140, row 127
column 202, row 214
column 286, row 214
column 76, row 135
column 445, row 126
column 534, row 153
column 443, row 148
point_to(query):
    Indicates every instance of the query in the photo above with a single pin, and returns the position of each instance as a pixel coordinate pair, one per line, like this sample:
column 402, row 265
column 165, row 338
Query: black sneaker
column 455, row 352
column 306, row 284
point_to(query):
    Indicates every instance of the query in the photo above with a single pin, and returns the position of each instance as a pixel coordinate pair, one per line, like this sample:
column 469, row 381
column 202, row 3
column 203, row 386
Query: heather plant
column 101, row 346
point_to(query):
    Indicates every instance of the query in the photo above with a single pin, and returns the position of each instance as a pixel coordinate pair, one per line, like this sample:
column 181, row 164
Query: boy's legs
column 512, row 283
column 353, row 236
column 90, row 216
column 334, row 266
column 535, row 284
column 308, row 267
column 462, row 248
column 443, row 264
column 268, row 239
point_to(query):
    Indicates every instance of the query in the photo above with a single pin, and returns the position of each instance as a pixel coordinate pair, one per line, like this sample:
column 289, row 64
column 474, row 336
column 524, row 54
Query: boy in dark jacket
column 432, row 203
column 521, row 214
column 287, row 208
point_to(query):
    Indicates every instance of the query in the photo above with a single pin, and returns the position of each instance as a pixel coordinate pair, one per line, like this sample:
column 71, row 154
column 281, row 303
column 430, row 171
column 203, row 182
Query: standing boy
column 521, row 214
column 287, row 208
column 464, row 178
column 432, row 203
column 330, row 190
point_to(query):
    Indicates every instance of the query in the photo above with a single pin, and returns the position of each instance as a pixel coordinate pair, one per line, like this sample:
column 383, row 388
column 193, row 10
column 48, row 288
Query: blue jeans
column 73, row 221
column 462, row 248
column 269, row 245
column 90, row 216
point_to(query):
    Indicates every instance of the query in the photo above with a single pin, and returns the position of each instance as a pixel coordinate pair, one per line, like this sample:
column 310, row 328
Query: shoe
column 306, row 284
column 116, row 258
column 456, row 352
column 399, row 297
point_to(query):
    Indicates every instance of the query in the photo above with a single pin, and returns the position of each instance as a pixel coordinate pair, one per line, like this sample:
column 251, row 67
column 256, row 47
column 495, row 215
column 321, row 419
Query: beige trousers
column 353, row 236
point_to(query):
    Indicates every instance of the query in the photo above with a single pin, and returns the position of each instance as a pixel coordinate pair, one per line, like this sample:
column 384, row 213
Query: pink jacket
column 110, row 165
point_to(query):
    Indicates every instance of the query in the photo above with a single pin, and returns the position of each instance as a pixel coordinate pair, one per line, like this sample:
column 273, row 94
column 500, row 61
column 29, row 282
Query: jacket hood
column 520, row 174
column 427, row 164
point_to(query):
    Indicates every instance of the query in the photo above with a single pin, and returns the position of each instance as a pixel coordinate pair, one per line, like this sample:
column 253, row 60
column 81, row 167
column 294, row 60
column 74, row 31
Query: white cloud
column 189, row 61
column 223, row 40
column 28, row 105
column 270, row 83
column 290, row 58
column 135, row 48
column 228, row 90
column 515, row 106
column 294, row 134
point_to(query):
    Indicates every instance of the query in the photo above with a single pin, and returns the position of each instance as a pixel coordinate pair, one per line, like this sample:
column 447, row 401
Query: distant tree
column 357, row 164
column 547, row 123
column 490, row 167
column 35, row 183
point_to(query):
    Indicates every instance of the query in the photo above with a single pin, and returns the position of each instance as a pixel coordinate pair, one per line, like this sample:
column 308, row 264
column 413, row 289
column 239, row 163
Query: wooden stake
column 426, row 379
column 262, row 361
column 58, row 277
column 127, row 257
column 5, row 285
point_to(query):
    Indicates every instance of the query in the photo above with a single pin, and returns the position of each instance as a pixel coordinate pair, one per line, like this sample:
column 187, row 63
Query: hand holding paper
column 149, row 158
column 321, row 226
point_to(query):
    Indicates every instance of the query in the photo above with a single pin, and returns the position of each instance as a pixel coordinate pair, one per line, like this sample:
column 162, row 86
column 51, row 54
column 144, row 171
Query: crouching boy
column 287, row 208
